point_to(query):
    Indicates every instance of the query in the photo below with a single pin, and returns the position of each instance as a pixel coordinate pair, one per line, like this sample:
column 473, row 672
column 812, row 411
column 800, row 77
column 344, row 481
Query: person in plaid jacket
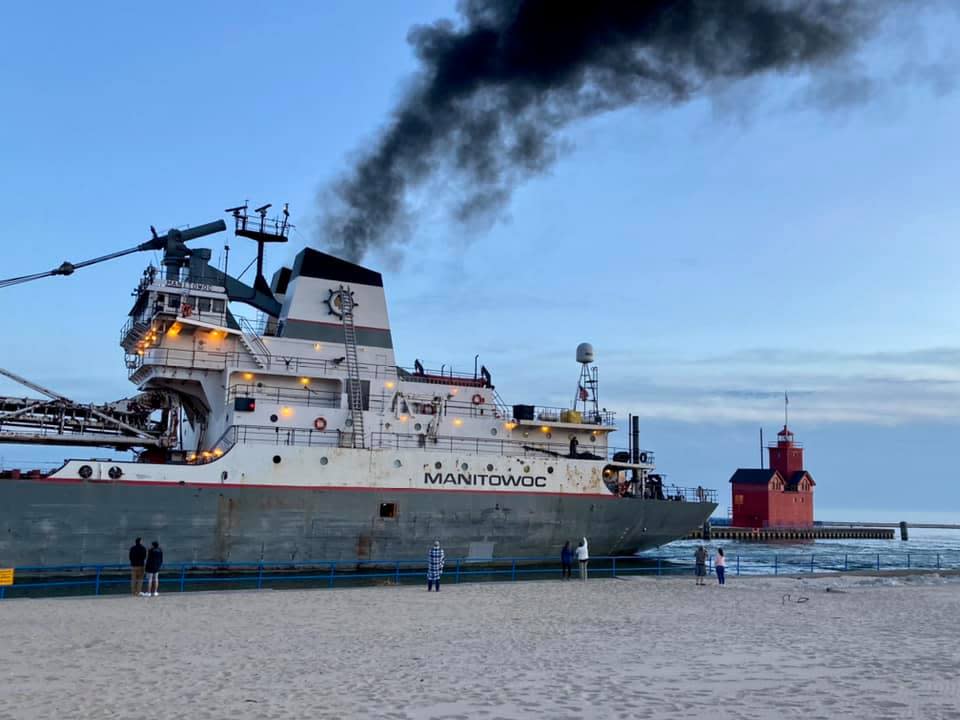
column 434, row 566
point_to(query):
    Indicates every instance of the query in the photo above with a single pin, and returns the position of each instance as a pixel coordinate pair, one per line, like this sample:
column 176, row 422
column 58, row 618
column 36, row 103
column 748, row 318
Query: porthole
column 418, row 427
column 397, row 463
column 324, row 460
column 276, row 459
column 464, row 466
column 387, row 426
column 273, row 418
column 526, row 434
column 348, row 422
column 489, row 467
column 526, row 468
column 549, row 469
column 593, row 438
column 438, row 465
column 493, row 431
column 548, row 435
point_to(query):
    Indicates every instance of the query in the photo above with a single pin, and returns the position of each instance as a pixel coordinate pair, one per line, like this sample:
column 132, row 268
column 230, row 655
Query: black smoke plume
column 494, row 89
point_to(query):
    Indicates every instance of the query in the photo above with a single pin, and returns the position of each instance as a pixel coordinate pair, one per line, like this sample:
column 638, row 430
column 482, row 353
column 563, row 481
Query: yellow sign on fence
column 6, row 576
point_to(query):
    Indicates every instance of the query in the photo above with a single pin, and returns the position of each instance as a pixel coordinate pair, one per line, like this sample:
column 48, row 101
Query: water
column 920, row 551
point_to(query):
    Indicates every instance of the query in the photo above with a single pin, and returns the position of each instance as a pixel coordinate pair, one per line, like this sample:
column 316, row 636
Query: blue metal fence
column 115, row 579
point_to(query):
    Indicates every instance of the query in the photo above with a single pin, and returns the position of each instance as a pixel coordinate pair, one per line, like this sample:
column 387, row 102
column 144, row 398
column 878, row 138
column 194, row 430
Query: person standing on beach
column 435, row 560
column 566, row 561
column 583, row 555
column 700, row 556
column 154, row 563
column 138, row 556
column 720, row 563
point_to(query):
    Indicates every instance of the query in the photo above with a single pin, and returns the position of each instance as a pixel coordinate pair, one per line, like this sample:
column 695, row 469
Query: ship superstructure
column 295, row 435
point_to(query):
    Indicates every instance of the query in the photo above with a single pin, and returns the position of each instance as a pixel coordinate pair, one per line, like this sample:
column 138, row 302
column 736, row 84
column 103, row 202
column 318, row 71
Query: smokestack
column 494, row 89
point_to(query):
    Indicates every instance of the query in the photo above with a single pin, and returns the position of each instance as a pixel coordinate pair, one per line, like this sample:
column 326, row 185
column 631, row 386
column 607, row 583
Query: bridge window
column 218, row 306
column 203, row 304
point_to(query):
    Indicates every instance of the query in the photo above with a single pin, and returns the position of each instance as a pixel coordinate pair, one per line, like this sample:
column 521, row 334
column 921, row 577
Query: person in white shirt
column 720, row 565
column 583, row 555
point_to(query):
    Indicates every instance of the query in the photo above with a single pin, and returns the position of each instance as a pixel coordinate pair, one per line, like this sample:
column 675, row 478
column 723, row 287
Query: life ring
column 115, row 473
column 186, row 310
column 643, row 457
column 477, row 399
column 320, row 424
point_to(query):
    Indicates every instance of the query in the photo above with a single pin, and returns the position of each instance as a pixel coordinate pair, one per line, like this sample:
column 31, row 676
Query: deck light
column 458, row 422
column 389, row 384
column 454, row 391
column 509, row 425
column 318, row 347
column 402, row 418
column 304, row 381
column 248, row 376
column 545, row 429
column 286, row 411
column 218, row 452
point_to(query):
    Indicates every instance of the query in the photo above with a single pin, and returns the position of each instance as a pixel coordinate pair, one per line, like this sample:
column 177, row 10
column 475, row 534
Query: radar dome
column 584, row 353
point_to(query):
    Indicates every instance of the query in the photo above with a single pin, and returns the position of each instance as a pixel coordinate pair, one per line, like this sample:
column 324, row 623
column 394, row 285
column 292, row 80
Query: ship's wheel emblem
column 335, row 301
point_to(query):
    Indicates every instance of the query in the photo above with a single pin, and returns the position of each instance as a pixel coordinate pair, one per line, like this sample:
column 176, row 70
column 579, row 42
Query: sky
column 783, row 234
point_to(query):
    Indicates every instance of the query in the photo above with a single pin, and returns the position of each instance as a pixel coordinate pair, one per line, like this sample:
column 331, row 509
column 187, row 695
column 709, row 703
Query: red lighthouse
column 781, row 496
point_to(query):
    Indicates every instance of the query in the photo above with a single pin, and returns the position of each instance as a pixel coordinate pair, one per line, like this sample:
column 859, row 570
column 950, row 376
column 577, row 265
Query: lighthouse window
column 388, row 510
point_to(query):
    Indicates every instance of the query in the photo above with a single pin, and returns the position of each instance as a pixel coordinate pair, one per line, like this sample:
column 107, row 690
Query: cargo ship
column 293, row 435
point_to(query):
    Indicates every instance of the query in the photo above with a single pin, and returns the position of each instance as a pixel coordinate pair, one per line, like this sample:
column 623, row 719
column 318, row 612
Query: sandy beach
column 632, row 648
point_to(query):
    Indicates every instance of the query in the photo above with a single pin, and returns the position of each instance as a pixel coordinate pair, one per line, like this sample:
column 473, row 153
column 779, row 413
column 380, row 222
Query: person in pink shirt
column 720, row 563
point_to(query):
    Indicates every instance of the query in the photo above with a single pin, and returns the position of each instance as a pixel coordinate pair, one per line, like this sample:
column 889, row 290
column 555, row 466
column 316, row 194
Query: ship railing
column 492, row 446
column 443, row 376
column 273, row 435
column 309, row 437
column 545, row 414
column 303, row 396
column 114, row 578
column 212, row 359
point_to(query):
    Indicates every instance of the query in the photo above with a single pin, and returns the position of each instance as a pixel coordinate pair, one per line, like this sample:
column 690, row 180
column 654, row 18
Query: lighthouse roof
column 754, row 476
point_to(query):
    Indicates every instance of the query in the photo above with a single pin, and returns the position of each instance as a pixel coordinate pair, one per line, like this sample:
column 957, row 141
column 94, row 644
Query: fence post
column 396, row 574
column 3, row 592
column 458, row 571
column 776, row 564
column 260, row 575
column 333, row 569
column 96, row 586
column 938, row 567
column 183, row 576
column 738, row 566
column 811, row 562
column 878, row 562
column 513, row 570
column 658, row 565
column 845, row 565
column 614, row 571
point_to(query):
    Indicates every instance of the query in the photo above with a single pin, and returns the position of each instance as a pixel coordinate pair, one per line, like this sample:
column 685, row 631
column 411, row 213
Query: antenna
column 786, row 406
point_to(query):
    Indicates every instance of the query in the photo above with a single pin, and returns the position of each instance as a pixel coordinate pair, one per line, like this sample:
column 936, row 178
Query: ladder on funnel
column 354, row 437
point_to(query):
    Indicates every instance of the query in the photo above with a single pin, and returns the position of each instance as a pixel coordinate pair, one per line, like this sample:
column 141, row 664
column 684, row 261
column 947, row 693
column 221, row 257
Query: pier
column 818, row 532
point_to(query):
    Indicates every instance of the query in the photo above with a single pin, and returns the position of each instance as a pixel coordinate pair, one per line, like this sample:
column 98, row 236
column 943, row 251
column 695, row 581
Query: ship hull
column 46, row 522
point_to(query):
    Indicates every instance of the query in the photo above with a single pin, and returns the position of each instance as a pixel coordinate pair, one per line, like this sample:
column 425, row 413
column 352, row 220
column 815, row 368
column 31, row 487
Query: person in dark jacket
column 138, row 556
column 154, row 563
column 566, row 560
column 435, row 559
